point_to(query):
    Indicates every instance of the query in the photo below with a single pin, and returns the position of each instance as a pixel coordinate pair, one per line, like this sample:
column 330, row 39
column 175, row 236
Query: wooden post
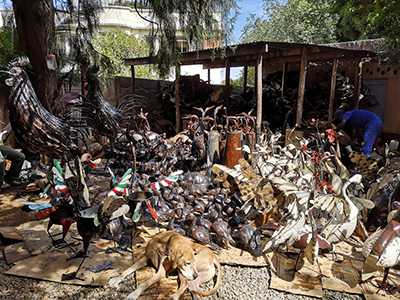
column 357, row 84
column 259, row 96
column 209, row 76
column 227, row 81
column 83, row 80
column 133, row 78
column 302, row 86
column 245, row 71
column 284, row 67
column 333, row 88
column 177, row 108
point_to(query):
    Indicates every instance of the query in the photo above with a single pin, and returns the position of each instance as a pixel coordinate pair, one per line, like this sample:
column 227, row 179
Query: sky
column 246, row 8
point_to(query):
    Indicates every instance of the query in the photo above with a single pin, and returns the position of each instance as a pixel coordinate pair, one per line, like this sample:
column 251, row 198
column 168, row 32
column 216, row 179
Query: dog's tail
column 217, row 284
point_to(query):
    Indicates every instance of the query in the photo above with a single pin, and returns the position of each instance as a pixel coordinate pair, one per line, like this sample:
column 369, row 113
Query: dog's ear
column 174, row 260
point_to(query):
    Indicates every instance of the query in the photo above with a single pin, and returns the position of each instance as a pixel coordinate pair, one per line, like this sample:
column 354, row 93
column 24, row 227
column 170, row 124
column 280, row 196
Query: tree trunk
column 36, row 30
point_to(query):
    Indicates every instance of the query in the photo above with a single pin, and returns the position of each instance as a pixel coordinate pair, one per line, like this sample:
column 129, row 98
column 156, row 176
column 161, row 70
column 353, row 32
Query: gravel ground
column 242, row 283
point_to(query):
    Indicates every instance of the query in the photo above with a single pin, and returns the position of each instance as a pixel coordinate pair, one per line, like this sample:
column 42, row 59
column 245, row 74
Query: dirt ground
column 11, row 213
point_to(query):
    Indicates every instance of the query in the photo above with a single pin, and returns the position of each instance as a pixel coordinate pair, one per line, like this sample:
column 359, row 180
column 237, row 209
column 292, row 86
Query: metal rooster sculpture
column 100, row 115
column 91, row 220
column 35, row 128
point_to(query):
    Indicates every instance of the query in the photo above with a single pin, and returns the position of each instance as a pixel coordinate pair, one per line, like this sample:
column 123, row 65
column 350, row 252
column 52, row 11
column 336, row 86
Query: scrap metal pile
column 299, row 196
column 216, row 185
column 279, row 111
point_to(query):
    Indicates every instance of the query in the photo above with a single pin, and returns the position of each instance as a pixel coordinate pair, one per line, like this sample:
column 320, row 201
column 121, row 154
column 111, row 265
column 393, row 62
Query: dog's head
column 181, row 256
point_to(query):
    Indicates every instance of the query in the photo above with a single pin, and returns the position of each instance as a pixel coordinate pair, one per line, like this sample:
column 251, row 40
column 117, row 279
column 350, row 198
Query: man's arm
column 340, row 126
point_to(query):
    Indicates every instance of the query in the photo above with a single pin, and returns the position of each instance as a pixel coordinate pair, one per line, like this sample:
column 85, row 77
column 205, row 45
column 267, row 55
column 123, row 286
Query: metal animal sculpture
column 35, row 128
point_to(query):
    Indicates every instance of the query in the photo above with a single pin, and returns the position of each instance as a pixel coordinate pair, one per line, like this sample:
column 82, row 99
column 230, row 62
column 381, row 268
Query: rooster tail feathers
column 173, row 177
column 59, row 183
column 113, row 179
column 121, row 188
column 57, row 170
column 152, row 211
column 85, row 190
column 92, row 165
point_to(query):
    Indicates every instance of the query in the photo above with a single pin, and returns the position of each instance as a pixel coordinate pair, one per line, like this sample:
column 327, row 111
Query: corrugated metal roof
column 248, row 53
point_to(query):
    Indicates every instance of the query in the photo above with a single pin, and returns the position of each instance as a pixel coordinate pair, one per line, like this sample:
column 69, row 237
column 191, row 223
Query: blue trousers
column 371, row 133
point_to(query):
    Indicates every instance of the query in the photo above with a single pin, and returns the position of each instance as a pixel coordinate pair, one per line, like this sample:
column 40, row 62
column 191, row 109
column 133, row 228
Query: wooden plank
column 234, row 62
column 238, row 257
column 259, row 97
column 245, row 72
column 133, row 78
column 333, row 88
column 277, row 59
column 51, row 265
column 302, row 87
column 339, row 275
column 252, row 61
column 246, row 54
column 227, row 90
column 16, row 252
column 141, row 61
column 177, row 106
column 10, row 233
column 357, row 84
column 209, row 54
column 283, row 87
column 305, row 281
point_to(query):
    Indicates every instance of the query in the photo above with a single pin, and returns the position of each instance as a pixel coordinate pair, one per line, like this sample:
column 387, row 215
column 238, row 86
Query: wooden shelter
column 261, row 55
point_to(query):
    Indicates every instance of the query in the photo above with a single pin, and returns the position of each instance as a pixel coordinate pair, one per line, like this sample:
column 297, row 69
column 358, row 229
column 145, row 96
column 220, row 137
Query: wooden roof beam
column 246, row 49
column 278, row 60
column 141, row 61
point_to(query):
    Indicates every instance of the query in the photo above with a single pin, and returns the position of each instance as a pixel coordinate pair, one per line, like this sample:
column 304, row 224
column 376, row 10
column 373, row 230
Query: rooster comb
column 21, row 62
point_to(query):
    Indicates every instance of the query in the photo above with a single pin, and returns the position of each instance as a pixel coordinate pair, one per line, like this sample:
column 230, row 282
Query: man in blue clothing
column 364, row 120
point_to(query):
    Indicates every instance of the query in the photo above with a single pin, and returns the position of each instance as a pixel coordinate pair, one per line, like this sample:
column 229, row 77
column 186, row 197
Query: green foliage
column 235, row 84
column 251, row 71
column 362, row 19
column 195, row 19
column 298, row 21
column 131, row 4
column 7, row 51
column 116, row 44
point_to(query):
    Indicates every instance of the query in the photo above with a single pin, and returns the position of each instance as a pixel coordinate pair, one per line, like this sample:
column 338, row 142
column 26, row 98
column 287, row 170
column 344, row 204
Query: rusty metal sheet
column 232, row 155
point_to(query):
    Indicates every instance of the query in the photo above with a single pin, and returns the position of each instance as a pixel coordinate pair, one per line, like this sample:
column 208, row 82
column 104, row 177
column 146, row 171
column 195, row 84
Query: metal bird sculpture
column 382, row 248
column 100, row 115
column 35, row 128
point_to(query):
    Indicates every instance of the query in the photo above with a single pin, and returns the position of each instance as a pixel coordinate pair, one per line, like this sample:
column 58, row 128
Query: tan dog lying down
column 169, row 251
